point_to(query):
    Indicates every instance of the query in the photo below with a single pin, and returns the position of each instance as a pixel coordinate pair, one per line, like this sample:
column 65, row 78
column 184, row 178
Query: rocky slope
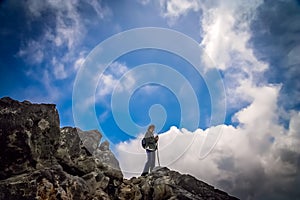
column 40, row 160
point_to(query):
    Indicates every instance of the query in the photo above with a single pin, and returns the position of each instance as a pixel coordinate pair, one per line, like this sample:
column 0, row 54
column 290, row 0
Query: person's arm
column 156, row 138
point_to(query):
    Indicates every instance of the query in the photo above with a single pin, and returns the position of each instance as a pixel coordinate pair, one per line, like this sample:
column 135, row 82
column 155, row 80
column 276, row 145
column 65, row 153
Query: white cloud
column 261, row 96
column 143, row 2
column 110, row 79
column 243, row 157
column 102, row 11
column 57, row 45
column 67, row 27
column 32, row 52
column 58, row 69
column 107, row 84
column 104, row 83
column 118, row 69
column 79, row 61
column 260, row 155
column 61, row 36
column 226, row 32
column 173, row 9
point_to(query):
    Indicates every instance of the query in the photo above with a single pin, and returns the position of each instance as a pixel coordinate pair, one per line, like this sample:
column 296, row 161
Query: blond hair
column 151, row 126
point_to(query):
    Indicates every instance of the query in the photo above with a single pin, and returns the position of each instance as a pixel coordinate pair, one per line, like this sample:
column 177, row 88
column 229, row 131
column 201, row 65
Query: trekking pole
column 157, row 155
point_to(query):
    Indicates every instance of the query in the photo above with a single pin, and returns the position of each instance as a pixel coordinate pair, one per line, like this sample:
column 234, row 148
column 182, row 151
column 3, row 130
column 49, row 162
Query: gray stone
column 90, row 139
column 72, row 155
column 24, row 145
column 105, row 156
column 49, row 183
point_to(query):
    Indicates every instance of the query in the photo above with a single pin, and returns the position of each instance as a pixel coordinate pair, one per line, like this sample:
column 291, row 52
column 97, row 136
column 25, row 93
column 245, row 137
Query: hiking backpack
column 144, row 143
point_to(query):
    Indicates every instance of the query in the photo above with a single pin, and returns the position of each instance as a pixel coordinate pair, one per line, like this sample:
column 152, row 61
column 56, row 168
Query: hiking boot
column 144, row 173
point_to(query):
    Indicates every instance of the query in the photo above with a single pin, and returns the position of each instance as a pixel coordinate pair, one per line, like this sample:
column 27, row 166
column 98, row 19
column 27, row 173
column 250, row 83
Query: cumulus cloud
column 275, row 38
column 251, row 161
column 226, row 32
column 259, row 158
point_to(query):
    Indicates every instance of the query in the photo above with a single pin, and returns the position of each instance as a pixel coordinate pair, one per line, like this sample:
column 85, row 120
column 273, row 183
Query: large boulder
column 29, row 136
column 105, row 156
column 90, row 139
column 40, row 160
column 72, row 155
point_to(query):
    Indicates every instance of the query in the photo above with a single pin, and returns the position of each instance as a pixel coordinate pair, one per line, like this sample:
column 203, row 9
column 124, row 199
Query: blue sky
column 45, row 43
column 249, row 56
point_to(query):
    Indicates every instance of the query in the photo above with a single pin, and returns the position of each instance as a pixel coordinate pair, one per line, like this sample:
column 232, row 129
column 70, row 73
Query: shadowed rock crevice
column 40, row 160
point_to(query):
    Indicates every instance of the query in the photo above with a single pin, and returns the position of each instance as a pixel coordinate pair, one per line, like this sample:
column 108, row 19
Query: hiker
column 150, row 146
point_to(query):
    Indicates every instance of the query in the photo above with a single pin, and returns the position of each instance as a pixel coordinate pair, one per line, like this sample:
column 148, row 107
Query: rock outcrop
column 40, row 160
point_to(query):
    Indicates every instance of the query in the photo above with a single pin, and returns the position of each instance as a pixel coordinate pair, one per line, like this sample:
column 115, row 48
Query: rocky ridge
column 40, row 160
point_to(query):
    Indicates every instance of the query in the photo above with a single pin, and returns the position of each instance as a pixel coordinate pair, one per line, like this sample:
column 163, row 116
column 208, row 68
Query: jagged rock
column 129, row 192
column 90, row 139
column 41, row 161
column 29, row 136
column 49, row 183
column 162, row 188
column 96, row 181
column 104, row 146
column 101, row 195
column 104, row 155
column 72, row 154
column 167, row 184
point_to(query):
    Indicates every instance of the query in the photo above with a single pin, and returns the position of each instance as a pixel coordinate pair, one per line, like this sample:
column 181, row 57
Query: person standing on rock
column 151, row 147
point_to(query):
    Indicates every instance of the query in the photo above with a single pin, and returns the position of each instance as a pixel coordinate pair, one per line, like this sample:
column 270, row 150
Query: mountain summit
column 40, row 160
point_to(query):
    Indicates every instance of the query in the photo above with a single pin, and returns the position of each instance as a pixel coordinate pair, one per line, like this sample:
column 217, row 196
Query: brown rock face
column 38, row 160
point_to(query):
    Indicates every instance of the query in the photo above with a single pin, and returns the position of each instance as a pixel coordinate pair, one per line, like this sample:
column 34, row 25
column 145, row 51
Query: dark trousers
column 149, row 165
